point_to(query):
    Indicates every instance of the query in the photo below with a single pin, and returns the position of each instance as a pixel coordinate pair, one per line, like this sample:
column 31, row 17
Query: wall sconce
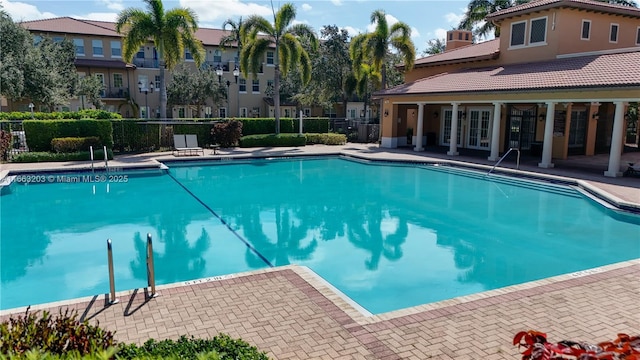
column 435, row 114
column 595, row 116
column 542, row 117
column 386, row 113
column 464, row 116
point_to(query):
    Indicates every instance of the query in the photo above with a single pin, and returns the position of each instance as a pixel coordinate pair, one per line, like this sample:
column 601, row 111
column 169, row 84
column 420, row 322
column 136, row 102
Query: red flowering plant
column 534, row 346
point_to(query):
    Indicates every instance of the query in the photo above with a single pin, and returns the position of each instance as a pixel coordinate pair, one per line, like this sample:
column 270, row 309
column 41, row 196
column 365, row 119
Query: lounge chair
column 192, row 144
column 179, row 144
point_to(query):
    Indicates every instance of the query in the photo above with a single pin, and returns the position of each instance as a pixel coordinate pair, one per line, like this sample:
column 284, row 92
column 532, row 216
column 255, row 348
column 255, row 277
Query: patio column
column 616, row 141
column 453, row 141
column 420, row 127
column 547, row 144
column 495, row 132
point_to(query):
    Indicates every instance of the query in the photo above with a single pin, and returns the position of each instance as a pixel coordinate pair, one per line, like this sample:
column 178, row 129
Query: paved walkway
column 292, row 314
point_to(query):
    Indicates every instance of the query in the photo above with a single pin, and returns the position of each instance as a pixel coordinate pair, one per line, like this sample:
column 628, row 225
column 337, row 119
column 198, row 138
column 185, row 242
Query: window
column 37, row 39
column 143, row 82
column 157, row 82
column 181, row 113
column 79, row 44
column 57, row 39
column 538, row 31
column 117, row 80
column 255, row 86
column 586, row 30
column 459, row 36
column 638, row 36
column 96, row 46
column 243, row 112
column 450, row 36
column 140, row 53
column 517, row 33
column 242, row 85
column 188, row 55
column 269, row 89
column 222, row 112
column 466, row 36
column 269, row 57
column 307, row 112
column 101, row 78
column 116, row 49
column 287, row 112
column 613, row 34
column 217, row 56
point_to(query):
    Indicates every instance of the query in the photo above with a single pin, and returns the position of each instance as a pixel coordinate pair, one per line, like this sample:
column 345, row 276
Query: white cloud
column 441, row 33
column 116, row 5
column 232, row 9
column 20, row 11
column 414, row 32
column 453, row 18
column 97, row 16
column 337, row 2
column 390, row 21
column 306, row 7
column 352, row 31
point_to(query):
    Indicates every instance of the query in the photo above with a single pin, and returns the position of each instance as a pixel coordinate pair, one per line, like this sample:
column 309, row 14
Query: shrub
column 273, row 140
column 74, row 144
column 131, row 135
column 5, row 144
column 326, row 139
column 39, row 133
column 201, row 130
column 56, row 335
column 227, row 133
column 189, row 348
column 30, row 157
column 312, row 125
column 59, row 115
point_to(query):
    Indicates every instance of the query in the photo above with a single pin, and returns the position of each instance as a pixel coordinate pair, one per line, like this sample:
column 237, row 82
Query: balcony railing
column 146, row 63
column 115, row 93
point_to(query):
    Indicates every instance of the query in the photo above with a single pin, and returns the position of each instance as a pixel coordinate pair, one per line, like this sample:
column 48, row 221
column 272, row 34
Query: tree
column 234, row 36
column 172, row 32
column 194, row 88
column 91, row 87
column 434, row 46
column 14, row 42
column 259, row 36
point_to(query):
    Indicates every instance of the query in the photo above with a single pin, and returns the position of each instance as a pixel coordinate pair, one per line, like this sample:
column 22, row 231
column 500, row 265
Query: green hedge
column 312, row 125
column 273, row 140
column 30, row 157
column 39, row 133
column 202, row 131
column 61, row 115
column 326, row 139
column 134, row 136
column 74, row 144
column 254, row 126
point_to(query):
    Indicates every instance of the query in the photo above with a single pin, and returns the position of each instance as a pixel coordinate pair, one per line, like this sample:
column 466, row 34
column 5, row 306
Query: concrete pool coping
column 288, row 313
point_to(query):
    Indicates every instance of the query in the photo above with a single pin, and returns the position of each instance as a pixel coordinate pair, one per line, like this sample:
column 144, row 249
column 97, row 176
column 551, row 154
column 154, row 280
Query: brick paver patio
column 289, row 313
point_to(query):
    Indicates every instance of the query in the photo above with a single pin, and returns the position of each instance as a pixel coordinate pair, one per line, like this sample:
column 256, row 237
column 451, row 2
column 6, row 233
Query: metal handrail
column 106, row 157
column 112, row 284
column 91, row 153
column 504, row 156
column 151, row 276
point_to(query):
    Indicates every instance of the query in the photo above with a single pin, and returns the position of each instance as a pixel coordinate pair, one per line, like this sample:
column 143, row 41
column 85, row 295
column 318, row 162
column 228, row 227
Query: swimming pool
column 388, row 236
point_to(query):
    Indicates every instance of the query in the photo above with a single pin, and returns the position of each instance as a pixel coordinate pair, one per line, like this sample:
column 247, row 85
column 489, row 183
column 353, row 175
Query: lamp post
column 219, row 72
column 146, row 97
column 236, row 73
column 31, row 106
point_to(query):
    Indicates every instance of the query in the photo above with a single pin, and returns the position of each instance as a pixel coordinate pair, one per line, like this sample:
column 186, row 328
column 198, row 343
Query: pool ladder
column 503, row 157
column 151, row 274
column 106, row 157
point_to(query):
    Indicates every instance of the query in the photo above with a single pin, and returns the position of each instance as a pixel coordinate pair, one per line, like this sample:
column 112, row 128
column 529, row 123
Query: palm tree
column 259, row 35
column 233, row 37
column 172, row 32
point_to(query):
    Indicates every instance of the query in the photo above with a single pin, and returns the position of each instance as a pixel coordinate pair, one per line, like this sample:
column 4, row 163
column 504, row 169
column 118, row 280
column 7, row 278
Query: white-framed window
column 585, row 34
column 182, row 113
column 255, row 86
column 287, row 112
column 79, row 45
column 116, row 49
column 242, row 85
column 57, row 39
column 613, row 33
column 307, row 112
column 96, row 46
column 217, row 56
column 117, row 80
column 187, row 55
column 156, row 80
column 538, row 31
column 143, row 81
column 243, row 112
column 269, row 57
column 518, row 30
column 101, row 77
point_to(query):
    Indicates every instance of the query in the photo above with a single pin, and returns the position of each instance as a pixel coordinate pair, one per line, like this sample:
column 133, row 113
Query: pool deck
column 292, row 314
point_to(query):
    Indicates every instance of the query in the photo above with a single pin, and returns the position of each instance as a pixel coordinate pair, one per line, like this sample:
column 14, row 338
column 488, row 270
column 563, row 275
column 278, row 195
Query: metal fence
column 357, row 130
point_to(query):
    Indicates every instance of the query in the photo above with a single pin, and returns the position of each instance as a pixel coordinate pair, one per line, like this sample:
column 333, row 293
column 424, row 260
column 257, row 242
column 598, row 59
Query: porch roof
column 618, row 70
column 589, row 5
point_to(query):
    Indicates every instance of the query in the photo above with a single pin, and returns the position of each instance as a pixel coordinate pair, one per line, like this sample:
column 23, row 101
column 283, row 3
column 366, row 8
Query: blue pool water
column 387, row 236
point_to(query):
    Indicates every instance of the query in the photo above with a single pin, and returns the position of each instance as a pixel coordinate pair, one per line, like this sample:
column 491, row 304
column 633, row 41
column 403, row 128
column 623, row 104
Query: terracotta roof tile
column 611, row 70
column 483, row 50
column 67, row 25
column 578, row 4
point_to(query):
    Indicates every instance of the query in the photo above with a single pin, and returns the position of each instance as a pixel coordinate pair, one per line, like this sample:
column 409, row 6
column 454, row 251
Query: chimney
column 458, row 38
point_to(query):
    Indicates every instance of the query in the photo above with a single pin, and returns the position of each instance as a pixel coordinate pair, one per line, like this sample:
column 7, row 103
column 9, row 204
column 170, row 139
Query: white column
column 453, row 142
column 420, row 128
column 547, row 144
column 495, row 132
column 616, row 141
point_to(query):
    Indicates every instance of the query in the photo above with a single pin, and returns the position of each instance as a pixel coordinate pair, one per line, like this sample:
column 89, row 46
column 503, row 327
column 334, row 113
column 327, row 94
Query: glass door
column 478, row 133
column 445, row 133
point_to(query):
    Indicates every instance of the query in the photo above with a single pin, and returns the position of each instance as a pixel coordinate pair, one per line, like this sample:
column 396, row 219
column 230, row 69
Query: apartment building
column 99, row 52
column 556, row 83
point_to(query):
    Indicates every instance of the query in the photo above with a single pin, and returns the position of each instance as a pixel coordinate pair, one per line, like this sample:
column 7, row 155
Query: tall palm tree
column 172, row 32
column 259, row 35
column 233, row 37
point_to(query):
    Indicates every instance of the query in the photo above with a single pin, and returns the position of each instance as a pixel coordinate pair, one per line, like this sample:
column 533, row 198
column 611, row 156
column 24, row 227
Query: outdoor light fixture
column 542, row 117
column 435, row 114
column 219, row 72
column 595, row 116
column 146, row 96
column 31, row 106
column 386, row 113
column 236, row 73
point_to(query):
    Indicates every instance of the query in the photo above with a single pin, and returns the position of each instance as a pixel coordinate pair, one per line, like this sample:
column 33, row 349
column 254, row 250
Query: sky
column 428, row 19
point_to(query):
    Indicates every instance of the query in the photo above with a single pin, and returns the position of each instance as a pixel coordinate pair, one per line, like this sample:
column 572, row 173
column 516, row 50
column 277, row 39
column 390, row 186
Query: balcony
column 114, row 93
column 146, row 63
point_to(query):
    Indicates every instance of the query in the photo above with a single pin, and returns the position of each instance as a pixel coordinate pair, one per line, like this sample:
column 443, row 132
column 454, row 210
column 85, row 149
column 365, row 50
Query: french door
column 479, row 129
